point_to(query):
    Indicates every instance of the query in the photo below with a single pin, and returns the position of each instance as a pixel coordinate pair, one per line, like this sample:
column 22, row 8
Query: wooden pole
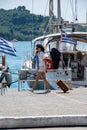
column 3, row 60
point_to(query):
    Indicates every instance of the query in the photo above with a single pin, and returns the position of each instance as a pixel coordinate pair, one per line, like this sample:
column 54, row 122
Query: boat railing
column 60, row 74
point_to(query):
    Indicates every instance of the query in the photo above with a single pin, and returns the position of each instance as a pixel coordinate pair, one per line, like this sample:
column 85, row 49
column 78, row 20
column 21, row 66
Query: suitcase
column 63, row 85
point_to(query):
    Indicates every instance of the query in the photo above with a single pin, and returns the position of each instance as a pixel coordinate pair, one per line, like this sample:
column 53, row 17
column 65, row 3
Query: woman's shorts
column 42, row 69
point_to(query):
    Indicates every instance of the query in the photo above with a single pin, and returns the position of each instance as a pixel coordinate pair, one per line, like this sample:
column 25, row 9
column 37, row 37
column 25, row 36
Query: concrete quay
column 39, row 109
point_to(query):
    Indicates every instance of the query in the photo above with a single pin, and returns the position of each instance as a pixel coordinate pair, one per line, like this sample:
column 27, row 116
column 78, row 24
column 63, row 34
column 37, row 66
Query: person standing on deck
column 42, row 69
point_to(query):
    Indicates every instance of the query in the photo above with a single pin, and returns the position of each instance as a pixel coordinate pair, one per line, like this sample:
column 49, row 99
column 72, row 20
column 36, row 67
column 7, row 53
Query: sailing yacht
column 72, row 64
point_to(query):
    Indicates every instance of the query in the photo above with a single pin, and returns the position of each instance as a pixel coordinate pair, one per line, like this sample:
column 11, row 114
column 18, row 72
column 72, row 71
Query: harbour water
column 15, row 63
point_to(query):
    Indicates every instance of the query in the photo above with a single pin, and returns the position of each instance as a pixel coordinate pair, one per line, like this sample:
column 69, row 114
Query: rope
column 15, row 73
column 66, row 8
column 71, row 2
column 46, row 7
column 14, row 81
column 21, row 79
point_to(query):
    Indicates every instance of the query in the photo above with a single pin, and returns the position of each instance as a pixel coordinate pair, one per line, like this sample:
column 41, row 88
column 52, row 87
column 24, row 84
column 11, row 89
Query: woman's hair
column 40, row 46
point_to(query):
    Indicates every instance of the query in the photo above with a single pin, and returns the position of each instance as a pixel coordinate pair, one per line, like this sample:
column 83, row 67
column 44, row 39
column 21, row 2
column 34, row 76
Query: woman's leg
column 36, row 81
column 45, row 81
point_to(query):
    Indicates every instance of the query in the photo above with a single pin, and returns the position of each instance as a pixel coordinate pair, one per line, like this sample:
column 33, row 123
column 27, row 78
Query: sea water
column 22, row 49
column 15, row 62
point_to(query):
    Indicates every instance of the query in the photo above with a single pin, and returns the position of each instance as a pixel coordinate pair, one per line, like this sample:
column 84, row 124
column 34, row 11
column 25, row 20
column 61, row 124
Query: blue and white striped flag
column 7, row 47
column 66, row 38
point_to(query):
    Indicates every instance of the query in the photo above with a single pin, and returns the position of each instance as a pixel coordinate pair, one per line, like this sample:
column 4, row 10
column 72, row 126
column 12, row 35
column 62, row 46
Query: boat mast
column 58, row 14
column 50, row 15
column 58, row 21
column 58, row 27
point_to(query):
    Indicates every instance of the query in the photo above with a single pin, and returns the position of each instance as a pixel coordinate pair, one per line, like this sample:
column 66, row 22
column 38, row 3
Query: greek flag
column 7, row 47
column 66, row 38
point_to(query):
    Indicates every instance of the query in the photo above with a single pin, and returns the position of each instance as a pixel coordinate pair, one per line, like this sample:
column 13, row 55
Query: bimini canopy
column 77, row 36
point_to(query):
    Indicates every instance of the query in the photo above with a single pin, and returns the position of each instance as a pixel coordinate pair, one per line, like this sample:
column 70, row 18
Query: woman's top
column 41, row 59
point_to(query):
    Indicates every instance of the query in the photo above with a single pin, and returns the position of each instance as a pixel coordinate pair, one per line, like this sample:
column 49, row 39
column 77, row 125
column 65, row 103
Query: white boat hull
column 61, row 74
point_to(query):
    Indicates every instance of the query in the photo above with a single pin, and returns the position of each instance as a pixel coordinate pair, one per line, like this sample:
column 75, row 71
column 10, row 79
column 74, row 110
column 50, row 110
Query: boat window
column 66, row 46
column 39, row 42
column 81, row 46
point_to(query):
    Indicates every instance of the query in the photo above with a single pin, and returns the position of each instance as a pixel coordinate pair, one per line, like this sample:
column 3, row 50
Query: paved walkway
column 25, row 103
column 39, row 104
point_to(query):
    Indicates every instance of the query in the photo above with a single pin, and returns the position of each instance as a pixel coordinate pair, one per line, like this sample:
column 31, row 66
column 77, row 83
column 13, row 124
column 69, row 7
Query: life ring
column 49, row 63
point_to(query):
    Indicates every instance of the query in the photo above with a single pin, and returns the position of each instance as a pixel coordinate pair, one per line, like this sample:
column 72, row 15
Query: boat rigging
column 71, row 66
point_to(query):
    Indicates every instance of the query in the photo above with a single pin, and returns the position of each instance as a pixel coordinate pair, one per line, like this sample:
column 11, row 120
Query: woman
column 41, row 71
